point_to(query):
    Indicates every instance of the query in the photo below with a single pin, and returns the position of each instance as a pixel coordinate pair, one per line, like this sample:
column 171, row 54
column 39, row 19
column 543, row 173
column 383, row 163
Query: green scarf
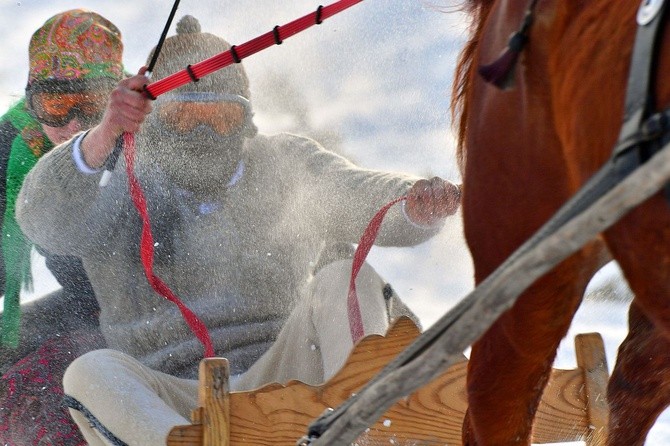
column 27, row 147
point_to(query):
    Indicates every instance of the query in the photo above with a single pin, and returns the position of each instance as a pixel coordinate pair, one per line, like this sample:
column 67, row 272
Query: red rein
column 147, row 250
column 195, row 324
column 364, row 246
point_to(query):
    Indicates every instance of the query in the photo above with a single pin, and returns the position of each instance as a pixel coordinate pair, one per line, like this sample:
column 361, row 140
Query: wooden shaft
column 214, row 398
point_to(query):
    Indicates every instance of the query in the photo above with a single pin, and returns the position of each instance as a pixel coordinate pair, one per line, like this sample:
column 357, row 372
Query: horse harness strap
column 644, row 131
column 639, row 127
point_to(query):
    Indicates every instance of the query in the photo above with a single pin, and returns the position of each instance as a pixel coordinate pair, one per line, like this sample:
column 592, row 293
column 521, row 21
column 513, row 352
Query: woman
column 75, row 60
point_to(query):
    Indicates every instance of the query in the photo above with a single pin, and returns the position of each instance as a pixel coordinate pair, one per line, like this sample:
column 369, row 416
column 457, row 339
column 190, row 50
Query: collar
column 237, row 176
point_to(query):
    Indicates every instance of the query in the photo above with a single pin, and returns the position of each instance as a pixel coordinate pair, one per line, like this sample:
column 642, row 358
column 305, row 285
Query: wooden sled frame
column 573, row 406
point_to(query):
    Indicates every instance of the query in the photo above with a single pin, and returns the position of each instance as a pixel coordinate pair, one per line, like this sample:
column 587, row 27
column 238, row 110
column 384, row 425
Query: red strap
column 239, row 52
column 147, row 250
column 199, row 329
column 364, row 246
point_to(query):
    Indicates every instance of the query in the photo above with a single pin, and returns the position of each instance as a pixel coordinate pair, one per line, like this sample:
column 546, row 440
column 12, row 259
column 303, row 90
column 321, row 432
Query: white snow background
column 373, row 83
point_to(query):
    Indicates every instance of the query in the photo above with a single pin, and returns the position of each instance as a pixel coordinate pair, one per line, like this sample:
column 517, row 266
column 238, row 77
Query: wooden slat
column 561, row 415
column 591, row 359
column 185, row 436
column 279, row 415
column 214, row 398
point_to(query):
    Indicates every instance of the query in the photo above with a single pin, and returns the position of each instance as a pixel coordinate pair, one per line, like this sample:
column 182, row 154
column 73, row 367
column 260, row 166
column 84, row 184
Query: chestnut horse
column 523, row 152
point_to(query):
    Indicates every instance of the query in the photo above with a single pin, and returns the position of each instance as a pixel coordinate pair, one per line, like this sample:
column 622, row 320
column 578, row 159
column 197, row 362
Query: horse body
column 524, row 152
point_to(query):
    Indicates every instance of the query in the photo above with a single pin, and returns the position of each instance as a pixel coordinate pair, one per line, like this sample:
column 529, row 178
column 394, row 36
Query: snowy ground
column 373, row 83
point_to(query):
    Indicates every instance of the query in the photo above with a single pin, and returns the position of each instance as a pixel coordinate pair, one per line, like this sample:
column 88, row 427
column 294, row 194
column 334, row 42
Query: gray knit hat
column 191, row 46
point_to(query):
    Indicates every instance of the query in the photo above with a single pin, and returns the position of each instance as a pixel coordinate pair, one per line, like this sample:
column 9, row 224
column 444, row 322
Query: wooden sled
column 573, row 406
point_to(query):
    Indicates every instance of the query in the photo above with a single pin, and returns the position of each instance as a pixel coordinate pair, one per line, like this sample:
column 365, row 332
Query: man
column 238, row 219
column 74, row 63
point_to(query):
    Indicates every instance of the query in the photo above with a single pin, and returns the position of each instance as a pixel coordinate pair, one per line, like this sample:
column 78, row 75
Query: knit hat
column 190, row 46
column 75, row 44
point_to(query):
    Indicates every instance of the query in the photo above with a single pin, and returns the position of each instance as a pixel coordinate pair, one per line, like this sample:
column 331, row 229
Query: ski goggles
column 56, row 103
column 224, row 113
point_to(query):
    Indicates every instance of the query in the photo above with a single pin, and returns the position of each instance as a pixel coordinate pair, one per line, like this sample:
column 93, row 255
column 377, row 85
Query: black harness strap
column 638, row 91
column 94, row 422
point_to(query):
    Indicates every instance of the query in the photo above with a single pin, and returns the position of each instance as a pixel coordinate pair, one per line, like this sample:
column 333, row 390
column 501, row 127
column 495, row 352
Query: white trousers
column 139, row 406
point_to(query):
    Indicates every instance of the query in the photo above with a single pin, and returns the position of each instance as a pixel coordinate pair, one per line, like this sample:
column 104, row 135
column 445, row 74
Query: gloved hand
column 431, row 201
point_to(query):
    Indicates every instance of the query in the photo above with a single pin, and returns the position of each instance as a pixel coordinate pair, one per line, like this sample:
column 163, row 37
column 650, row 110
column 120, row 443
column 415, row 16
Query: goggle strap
column 204, row 96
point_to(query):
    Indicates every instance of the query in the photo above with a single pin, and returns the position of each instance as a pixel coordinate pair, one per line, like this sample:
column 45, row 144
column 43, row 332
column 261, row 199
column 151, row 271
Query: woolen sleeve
column 344, row 197
column 63, row 209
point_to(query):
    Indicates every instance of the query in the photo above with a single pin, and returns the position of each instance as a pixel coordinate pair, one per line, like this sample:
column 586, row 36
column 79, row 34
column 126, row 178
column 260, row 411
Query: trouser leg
column 114, row 392
column 315, row 340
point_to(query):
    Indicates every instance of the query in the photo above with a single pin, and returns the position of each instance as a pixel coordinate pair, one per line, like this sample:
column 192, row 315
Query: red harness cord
column 364, row 246
column 195, row 324
column 147, row 250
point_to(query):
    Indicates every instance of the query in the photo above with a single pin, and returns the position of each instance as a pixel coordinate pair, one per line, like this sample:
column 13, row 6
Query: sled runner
column 573, row 406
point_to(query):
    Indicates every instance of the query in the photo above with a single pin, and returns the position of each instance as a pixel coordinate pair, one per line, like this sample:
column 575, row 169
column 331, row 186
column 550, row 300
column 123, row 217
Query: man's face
column 198, row 138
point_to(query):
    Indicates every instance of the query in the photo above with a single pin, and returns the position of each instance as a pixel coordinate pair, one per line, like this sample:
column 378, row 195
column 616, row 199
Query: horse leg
column 515, row 178
column 506, row 199
column 640, row 386
column 514, row 181
column 637, row 398
column 510, row 365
